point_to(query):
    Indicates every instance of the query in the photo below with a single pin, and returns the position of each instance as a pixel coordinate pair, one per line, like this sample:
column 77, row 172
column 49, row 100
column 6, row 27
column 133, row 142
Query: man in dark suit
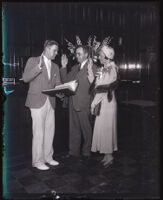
column 79, row 104
column 42, row 73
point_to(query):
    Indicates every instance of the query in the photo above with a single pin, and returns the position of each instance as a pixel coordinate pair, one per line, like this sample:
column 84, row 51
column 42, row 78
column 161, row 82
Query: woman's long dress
column 105, row 128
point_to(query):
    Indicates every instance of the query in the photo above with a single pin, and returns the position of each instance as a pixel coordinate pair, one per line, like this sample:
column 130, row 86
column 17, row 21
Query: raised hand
column 92, row 108
column 41, row 61
column 64, row 61
column 99, row 73
column 90, row 70
column 90, row 64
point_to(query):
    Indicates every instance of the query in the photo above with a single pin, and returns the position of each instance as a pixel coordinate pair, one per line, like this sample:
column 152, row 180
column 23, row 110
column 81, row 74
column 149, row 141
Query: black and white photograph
column 81, row 100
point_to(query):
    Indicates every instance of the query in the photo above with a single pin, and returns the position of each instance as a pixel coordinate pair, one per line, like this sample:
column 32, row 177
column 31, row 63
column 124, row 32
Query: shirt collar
column 46, row 59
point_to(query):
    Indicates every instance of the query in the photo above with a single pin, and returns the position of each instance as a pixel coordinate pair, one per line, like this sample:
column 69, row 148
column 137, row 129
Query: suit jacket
column 38, row 81
column 82, row 98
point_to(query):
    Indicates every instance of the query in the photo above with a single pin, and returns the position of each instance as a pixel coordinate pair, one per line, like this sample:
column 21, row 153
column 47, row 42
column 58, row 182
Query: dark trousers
column 79, row 125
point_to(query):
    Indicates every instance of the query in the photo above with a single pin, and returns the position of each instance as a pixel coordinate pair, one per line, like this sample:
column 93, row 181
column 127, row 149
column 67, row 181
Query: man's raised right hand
column 64, row 61
column 41, row 61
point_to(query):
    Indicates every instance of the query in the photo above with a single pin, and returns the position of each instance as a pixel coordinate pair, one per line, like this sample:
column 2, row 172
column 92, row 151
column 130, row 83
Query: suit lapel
column 52, row 71
column 83, row 70
column 76, row 70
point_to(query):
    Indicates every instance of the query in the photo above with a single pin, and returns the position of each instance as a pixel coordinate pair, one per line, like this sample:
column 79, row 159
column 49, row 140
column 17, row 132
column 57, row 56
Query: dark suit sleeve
column 91, row 74
column 31, row 70
column 92, row 86
column 58, row 77
column 66, row 77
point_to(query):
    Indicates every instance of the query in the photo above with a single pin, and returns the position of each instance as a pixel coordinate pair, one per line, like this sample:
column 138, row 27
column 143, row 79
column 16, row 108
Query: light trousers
column 43, row 126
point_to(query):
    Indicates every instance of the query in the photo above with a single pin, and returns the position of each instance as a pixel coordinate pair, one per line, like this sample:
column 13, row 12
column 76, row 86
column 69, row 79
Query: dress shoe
column 72, row 157
column 103, row 160
column 86, row 158
column 42, row 167
column 68, row 156
column 53, row 163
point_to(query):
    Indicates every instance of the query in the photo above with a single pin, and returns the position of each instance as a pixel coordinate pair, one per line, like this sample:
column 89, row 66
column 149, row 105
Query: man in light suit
column 42, row 73
column 79, row 104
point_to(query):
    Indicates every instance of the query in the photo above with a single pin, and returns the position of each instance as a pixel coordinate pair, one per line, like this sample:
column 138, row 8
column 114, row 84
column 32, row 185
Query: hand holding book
column 66, row 89
column 60, row 96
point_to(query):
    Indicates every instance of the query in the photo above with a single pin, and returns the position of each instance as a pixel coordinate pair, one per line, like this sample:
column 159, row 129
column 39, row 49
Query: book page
column 72, row 85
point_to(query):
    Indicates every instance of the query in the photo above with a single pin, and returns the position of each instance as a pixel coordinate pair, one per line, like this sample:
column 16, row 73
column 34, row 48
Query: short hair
column 50, row 43
column 84, row 47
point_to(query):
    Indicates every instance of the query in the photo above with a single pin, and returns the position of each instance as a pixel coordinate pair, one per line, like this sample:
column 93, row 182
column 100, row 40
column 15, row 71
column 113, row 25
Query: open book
column 66, row 88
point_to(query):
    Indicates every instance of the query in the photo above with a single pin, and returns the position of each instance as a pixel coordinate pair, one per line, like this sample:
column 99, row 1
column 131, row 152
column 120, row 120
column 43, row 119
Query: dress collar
column 109, row 64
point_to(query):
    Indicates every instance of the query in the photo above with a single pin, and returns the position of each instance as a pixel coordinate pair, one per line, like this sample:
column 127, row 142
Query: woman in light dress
column 105, row 128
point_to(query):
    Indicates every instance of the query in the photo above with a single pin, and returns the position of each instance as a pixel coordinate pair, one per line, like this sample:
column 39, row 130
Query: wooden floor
column 134, row 174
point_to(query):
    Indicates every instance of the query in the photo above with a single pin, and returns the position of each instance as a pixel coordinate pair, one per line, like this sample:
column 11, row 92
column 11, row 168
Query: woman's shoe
column 108, row 163
column 103, row 160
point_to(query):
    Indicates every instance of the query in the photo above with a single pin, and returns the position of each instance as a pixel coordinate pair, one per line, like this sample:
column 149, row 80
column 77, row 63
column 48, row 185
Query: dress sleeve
column 110, row 76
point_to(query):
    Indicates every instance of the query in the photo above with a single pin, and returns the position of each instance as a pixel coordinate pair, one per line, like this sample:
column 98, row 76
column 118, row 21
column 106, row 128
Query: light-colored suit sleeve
column 31, row 70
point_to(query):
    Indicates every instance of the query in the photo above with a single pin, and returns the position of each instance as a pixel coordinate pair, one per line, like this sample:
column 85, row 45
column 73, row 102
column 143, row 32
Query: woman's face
column 101, row 57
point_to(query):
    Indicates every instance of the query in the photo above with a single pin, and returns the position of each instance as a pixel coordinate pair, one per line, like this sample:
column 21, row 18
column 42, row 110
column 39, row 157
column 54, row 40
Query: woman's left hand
column 92, row 108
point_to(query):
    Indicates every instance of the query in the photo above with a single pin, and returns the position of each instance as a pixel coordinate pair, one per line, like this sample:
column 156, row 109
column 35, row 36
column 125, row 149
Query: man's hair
column 50, row 43
column 84, row 47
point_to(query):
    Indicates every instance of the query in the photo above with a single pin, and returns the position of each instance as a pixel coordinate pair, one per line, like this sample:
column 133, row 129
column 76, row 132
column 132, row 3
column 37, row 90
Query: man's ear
column 47, row 48
column 86, row 54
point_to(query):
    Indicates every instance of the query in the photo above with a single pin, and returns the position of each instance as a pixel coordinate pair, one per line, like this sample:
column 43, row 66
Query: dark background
column 135, row 31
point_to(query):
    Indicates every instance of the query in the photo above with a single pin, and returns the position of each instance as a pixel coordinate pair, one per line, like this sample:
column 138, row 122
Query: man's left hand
column 61, row 96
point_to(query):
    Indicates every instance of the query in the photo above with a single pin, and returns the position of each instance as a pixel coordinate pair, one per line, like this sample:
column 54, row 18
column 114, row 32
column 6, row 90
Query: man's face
column 52, row 51
column 81, row 55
